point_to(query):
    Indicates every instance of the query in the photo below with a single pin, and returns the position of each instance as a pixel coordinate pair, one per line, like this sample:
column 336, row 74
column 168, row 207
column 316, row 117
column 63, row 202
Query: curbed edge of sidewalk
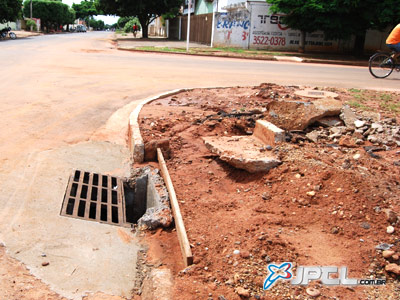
column 266, row 58
column 135, row 140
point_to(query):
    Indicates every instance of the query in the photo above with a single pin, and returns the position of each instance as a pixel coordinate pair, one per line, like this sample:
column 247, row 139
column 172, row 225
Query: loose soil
column 321, row 206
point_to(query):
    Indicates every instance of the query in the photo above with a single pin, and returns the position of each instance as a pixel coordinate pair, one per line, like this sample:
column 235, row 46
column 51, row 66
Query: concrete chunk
column 268, row 133
column 242, row 152
column 296, row 115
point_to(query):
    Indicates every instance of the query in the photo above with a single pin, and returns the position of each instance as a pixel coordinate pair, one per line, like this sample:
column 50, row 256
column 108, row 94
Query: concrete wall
column 13, row 25
column 268, row 32
column 232, row 29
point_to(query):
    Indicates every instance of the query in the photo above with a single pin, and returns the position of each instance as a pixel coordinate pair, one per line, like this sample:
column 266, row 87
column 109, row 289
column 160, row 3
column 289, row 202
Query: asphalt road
column 65, row 102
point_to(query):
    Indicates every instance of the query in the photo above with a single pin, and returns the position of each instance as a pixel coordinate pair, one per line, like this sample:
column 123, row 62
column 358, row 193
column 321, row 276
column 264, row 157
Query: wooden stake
column 180, row 226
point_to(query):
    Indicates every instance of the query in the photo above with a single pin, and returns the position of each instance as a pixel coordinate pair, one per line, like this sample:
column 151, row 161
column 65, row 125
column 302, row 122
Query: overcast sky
column 107, row 19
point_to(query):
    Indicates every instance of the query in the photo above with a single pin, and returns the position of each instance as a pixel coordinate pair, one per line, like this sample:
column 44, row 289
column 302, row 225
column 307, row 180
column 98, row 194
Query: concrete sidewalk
column 163, row 45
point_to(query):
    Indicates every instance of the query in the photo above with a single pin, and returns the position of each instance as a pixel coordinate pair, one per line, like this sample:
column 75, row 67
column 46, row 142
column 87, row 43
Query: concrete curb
column 135, row 140
column 266, row 58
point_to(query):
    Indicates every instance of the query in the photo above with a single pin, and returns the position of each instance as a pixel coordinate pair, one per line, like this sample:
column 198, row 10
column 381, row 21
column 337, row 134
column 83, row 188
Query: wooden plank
column 180, row 226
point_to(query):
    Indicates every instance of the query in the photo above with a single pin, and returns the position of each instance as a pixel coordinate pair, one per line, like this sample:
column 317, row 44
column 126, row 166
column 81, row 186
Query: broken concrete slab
column 158, row 285
column 268, row 133
column 329, row 121
column 242, row 152
column 348, row 116
column 311, row 93
column 296, row 115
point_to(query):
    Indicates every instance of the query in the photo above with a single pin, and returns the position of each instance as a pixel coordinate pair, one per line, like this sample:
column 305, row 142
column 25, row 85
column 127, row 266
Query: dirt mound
column 324, row 205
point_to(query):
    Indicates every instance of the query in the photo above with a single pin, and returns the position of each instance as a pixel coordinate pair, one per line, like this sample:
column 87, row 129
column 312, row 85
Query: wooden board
column 180, row 226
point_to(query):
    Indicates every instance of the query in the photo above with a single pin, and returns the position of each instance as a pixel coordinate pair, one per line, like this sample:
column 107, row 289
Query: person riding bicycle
column 393, row 40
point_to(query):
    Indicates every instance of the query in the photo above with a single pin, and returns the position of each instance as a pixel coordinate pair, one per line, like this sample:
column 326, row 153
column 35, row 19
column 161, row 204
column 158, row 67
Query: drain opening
column 105, row 199
column 136, row 199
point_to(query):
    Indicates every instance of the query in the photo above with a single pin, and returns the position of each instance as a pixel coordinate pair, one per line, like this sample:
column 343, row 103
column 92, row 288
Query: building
column 250, row 24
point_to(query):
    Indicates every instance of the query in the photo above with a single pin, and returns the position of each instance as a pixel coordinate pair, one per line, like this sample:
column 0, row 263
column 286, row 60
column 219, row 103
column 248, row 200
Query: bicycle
column 7, row 31
column 382, row 64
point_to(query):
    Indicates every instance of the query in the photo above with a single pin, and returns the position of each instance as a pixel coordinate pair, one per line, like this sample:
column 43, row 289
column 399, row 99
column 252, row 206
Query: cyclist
column 393, row 40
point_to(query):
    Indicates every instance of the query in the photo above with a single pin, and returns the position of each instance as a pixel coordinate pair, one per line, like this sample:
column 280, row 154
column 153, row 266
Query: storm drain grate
column 95, row 197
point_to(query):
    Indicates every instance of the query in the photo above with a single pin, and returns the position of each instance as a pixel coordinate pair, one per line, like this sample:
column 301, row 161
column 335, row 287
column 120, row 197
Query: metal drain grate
column 95, row 197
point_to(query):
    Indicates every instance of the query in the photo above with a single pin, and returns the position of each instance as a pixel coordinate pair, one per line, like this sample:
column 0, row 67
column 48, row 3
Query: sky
column 107, row 19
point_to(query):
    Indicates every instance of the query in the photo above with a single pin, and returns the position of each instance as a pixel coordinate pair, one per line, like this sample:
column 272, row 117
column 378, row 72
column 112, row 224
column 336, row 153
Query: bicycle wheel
column 13, row 36
column 381, row 65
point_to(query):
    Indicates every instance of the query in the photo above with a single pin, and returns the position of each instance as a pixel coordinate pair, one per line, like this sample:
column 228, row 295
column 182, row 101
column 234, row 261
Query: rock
column 245, row 254
column 383, row 246
column 313, row 136
column 378, row 127
column 329, row 122
column 313, row 292
column 45, row 263
column 357, row 156
column 242, row 292
column 347, row 141
column 365, row 225
column 388, row 253
column 359, row 123
column 242, row 152
column 292, row 115
column 266, row 196
column 158, row 285
column 150, row 149
column 311, row 193
column 348, row 116
column 335, row 230
column 395, row 256
column 268, row 133
column 221, row 298
column 393, row 268
column 391, row 216
column 390, row 229
column 236, row 252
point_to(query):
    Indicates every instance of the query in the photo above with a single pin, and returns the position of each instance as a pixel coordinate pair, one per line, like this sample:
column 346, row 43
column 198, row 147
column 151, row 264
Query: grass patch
column 358, row 105
column 367, row 100
column 161, row 49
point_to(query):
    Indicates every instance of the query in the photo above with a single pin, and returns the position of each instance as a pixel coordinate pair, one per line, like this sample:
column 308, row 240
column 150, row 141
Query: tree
column 145, row 10
column 9, row 10
column 97, row 24
column 85, row 10
column 51, row 13
column 129, row 25
column 339, row 19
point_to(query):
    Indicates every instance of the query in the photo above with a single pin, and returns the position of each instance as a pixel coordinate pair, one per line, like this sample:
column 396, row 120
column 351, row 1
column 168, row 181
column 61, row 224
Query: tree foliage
column 97, row 24
column 129, row 25
column 9, row 10
column 51, row 13
column 85, row 9
column 145, row 10
column 339, row 19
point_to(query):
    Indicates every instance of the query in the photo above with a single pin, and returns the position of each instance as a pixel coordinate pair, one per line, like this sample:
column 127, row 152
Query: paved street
column 65, row 102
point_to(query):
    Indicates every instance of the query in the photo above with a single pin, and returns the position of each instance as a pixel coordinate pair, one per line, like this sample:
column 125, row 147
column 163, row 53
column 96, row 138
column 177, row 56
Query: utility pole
column 188, row 26
column 31, row 15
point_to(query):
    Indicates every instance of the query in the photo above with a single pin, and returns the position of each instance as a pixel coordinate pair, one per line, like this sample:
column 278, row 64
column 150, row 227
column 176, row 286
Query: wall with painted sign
column 232, row 29
column 268, row 32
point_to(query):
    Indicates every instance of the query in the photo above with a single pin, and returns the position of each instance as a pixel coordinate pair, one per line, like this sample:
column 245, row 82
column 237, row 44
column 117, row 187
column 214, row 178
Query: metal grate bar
column 95, row 197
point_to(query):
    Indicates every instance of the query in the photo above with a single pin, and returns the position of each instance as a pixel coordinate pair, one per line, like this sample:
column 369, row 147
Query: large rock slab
column 242, row 152
column 296, row 115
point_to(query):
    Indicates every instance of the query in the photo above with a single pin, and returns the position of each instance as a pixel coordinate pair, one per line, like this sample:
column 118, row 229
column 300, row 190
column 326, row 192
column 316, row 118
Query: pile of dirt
column 328, row 203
